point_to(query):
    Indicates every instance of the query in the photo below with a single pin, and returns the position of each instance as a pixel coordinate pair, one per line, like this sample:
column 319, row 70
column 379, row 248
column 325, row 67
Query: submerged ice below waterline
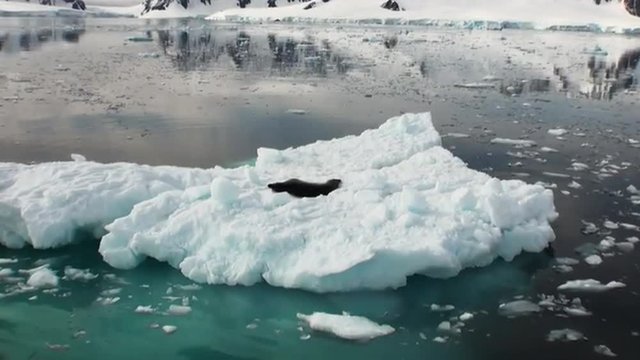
column 407, row 206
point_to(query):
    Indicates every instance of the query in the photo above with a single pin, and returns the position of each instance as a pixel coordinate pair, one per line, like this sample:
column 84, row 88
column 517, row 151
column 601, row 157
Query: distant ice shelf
column 406, row 207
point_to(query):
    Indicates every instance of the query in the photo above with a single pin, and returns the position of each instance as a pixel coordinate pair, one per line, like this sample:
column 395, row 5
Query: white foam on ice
column 407, row 206
column 346, row 326
column 590, row 285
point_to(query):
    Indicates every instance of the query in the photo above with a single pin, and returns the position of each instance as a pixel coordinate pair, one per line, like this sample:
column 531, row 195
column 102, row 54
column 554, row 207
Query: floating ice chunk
column 518, row 308
column 518, row 142
column 5, row 261
column 43, row 278
column 632, row 189
column 441, row 308
column 590, row 285
column 106, row 301
column 457, row 135
column 78, row 274
column 169, row 329
column 548, row 149
column 440, row 339
column 190, row 287
column 604, row 350
column 346, row 326
column 58, row 347
column 610, row 225
column 5, row 272
column 557, row 175
column 78, row 157
column 633, row 239
column 576, row 309
column 297, row 111
column 564, row 335
column 179, row 310
column 567, row 261
column 425, row 213
column 446, row 327
column 593, row 260
column 557, row 132
column 466, row 316
column 577, row 166
column 144, row 309
column 625, row 246
column 111, row 292
column 589, row 228
column 574, row 185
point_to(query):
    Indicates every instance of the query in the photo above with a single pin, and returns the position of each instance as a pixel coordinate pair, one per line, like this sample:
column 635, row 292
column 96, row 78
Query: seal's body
column 303, row 189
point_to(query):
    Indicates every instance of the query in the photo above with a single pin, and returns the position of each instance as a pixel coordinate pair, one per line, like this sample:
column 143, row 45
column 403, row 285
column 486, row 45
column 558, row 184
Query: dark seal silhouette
column 303, row 189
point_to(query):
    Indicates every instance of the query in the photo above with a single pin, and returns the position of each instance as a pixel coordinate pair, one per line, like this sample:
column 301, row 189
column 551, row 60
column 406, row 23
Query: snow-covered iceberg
column 406, row 206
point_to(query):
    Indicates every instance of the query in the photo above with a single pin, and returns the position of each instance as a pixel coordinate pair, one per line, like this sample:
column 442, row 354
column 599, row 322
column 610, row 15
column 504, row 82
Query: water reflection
column 282, row 55
column 603, row 81
column 33, row 37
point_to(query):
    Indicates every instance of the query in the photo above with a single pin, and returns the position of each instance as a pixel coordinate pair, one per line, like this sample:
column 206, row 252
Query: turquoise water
column 202, row 96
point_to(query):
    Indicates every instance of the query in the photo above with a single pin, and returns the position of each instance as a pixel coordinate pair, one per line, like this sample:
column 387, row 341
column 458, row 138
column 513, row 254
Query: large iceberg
column 406, row 206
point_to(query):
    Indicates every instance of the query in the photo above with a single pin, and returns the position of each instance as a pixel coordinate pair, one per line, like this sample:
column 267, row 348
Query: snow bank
column 407, row 206
column 493, row 14
column 346, row 326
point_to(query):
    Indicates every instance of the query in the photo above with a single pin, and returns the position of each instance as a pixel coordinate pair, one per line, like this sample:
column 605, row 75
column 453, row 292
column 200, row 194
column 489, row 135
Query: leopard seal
column 304, row 189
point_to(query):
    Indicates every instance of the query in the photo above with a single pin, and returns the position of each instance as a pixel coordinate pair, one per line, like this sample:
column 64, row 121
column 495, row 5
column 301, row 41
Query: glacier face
column 406, row 206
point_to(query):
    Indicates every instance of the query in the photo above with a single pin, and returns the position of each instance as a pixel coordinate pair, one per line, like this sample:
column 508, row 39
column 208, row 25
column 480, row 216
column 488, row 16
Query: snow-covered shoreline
column 553, row 15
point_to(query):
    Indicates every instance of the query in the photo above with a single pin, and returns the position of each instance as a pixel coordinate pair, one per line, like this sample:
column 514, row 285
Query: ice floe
column 346, row 326
column 590, row 285
column 518, row 308
column 564, row 335
column 43, row 278
column 406, row 204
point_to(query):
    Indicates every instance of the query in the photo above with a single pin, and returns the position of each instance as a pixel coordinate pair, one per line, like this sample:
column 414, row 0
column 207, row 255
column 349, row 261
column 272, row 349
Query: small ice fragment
column 457, row 135
column 593, row 260
column 564, row 335
column 557, row 175
column 632, row 189
column 440, row 339
column 305, row 337
column 252, row 326
column 633, row 239
column 346, row 326
column 466, row 316
column 43, row 278
column 604, row 350
column 590, row 285
column 441, row 308
column 144, row 310
column 557, row 132
column 169, row 329
column 5, row 272
column 111, row 292
column 625, row 246
column 518, row 308
column 79, row 334
column 191, row 287
column 78, row 157
column 576, row 166
column 576, row 309
column 78, row 274
column 34, row 297
column 565, row 192
column 567, row 261
column 548, row 149
column 422, row 336
column 563, row 269
column 106, row 301
column 179, row 310
column 589, row 228
column 575, row 185
column 296, row 111
column 444, row 326
column 610, row 225
column 5, row 261
column 518, row 142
